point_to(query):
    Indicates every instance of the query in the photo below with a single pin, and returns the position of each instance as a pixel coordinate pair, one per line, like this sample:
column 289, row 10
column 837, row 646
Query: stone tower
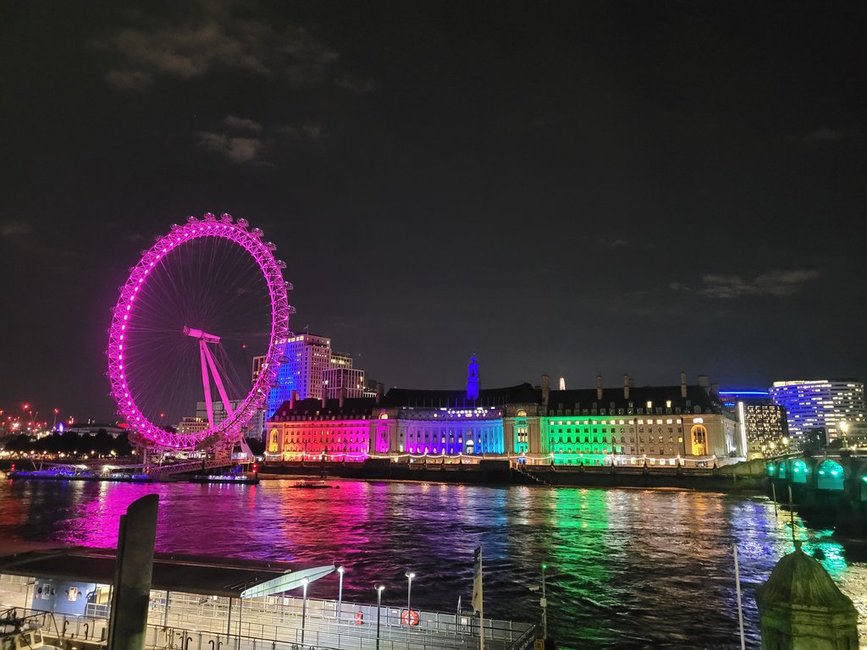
column 800, row 607
column 473, row 379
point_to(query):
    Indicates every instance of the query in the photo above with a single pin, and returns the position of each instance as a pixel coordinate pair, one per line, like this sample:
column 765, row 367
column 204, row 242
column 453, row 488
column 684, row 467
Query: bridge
column 827, row 484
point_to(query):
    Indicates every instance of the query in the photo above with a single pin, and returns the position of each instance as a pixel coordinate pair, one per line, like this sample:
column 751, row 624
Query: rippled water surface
column 627, row 567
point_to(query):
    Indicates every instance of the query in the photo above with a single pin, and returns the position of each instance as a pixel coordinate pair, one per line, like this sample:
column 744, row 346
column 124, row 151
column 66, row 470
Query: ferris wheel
column 199, row 305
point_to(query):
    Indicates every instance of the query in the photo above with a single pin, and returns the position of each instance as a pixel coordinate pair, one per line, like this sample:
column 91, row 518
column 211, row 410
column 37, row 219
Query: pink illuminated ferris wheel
column 200, row 304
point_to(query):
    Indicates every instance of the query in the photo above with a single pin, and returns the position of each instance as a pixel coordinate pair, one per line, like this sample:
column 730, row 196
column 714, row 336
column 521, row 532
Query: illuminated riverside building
column 309, row 429
column 603, row 426
column 820, row 404
column 444, row 422
column 764, row 423
column 628, row 425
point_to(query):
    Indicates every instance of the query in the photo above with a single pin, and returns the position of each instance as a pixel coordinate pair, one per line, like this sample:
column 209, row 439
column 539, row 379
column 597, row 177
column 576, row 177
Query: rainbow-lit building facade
column 338, row 429
column 657, row 425
column 661, row 425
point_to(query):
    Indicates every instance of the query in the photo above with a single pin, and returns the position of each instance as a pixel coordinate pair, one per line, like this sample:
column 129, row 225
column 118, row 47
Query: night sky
column 572, row 188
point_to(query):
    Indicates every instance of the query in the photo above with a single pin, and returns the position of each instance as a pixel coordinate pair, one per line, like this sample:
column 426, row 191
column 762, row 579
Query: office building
column 305, row 357
column 763, row 423
column 342, row 380
column 820, row 404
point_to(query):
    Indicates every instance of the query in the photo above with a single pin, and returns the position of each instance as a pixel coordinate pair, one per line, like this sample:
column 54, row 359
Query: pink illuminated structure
column 249, row 240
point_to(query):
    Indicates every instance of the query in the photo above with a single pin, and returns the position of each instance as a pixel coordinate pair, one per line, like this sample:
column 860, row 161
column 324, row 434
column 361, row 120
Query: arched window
column 699, row 440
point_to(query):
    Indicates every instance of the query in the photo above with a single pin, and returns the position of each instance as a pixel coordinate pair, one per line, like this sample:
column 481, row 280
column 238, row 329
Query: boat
column 237, row 479
column 67, row 474
column 312, row 485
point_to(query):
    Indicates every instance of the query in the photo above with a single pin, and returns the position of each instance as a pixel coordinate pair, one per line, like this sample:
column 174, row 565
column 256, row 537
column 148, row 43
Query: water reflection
column 627, row 567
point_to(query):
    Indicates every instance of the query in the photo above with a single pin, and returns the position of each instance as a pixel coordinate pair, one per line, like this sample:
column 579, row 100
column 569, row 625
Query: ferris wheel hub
column 199, row 334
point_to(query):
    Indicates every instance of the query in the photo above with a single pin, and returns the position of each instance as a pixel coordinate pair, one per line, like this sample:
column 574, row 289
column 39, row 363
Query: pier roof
column 206, row 576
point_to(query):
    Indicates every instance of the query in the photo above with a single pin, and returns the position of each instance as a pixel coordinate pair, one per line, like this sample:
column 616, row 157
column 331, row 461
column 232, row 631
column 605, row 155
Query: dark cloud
column 217, row 36
column 238, row 149
column 308, row 132
column 772, row 283
column 246, row 141
column 356, row 85
column 825, row 134
column 129, row 79
column 13, row 228
column 242, row 124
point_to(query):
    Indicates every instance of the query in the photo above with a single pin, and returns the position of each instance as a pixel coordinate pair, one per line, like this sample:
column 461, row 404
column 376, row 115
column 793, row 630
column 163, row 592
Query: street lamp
column 544, row 603
column 409, row 576
column 340, row 572
column 379, row 589
column 304, row 583
column 844, row 429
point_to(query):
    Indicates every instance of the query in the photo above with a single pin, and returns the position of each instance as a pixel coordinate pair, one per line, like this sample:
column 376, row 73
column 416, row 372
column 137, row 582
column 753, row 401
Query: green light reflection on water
column 577, row 553
column 821, row 546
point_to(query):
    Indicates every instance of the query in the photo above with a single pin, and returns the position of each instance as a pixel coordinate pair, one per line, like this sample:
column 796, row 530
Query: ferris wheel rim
column 251, row 241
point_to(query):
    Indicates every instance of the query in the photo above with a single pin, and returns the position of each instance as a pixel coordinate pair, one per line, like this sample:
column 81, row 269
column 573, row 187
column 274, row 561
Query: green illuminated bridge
column 827, row 484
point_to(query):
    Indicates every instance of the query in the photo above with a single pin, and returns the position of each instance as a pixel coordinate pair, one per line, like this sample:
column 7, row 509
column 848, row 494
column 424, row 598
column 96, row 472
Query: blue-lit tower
column 305, row 358
column 473, row 379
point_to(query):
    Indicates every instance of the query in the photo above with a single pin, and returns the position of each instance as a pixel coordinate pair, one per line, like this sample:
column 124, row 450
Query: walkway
column 213, row 622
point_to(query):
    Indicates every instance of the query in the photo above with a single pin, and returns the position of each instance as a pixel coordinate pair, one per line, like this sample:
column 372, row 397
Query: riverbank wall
column 742, row 478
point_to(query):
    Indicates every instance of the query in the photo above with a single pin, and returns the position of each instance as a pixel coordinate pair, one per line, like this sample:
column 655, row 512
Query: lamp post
column 379, row 589
column 409, row 576
column 544, row 603
column 844, row 429
column 340, row 571
column 304, row 584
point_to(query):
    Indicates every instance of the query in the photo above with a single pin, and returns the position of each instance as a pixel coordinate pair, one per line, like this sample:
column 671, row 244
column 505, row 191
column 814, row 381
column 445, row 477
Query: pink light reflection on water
column 645, row 565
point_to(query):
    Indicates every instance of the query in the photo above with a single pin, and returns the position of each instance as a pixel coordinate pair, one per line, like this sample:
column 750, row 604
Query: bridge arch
column 782, row 469
column 830, row 475
column 800, row 471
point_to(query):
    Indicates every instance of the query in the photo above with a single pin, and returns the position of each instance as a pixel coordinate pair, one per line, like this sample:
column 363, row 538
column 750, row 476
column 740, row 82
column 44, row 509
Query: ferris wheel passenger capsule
column 257, row 232
column 226, row 217
column 243, row 223
column 191, row 219
column 209, row 216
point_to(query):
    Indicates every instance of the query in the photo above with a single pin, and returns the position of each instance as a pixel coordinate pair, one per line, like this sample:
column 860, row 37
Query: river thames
column 626, row 567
